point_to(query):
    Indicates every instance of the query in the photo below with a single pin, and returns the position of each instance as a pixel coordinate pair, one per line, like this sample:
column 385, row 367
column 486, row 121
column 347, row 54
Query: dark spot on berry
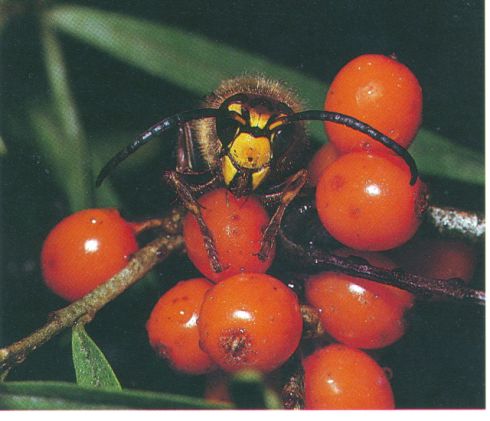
column 366, row 146
column 162, row 351
column 51, row 263
column 177, row 299
column 237, row 345
column 355, row 213
column 337, row 182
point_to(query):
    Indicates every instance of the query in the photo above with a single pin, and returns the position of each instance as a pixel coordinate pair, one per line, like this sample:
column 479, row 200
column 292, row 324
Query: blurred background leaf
column 56, row 395
column 436, row 155
column 62, row 159
column 249, row 391
column 186, row 59
column 71, row 139
column 3, row 148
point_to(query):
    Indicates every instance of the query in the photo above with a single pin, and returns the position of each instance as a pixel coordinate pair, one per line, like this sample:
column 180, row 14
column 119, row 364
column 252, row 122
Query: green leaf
column 53, row 146
column 437, row 156
column 190, row 61
column 3, row 148
column 58, row 154
column 60, row 395
column 105, row 143
column 91, row 366
column 198, row 64
column 248, row 391
column 73, row 137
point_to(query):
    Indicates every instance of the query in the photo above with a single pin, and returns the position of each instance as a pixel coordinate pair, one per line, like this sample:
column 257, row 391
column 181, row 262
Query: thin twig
column 457, row 223
column 318, row 260
column 84, row 309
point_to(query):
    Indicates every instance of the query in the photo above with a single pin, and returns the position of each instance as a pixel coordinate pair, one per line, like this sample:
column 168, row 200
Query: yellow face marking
column 251, row 152
column 258, row 120
column 235, row 106
column 237, row 113
column 259, row 176
column 277, row 123
column 228, row 169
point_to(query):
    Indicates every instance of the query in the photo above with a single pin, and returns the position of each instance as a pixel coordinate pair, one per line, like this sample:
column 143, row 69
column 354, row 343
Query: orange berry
column 320, row 161
column 172, row 327
column 237, row 226
column 366, row 202
column 250, row 320
column 84, row 250
column 358, row 312
column 379, row 91
column 339, row 377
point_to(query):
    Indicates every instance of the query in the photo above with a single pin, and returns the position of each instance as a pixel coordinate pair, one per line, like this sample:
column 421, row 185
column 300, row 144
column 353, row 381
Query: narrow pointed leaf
column 60, row 395
column 437, row 156
column 3, row 148
column 91, row 366
column 75, row 145
column 190, row 61
column 57, row 153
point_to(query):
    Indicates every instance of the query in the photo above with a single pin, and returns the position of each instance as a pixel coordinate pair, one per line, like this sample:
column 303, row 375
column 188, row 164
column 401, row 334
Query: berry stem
column 292, row 393
column 84, row 309
column 170, row 224
column 312, row 326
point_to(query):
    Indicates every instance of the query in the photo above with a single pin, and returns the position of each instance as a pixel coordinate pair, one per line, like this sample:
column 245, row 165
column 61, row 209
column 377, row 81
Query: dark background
column 439, row 363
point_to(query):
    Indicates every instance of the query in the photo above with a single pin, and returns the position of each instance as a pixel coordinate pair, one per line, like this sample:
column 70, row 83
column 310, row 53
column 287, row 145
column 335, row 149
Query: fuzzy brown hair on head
column 253, row 85
column 205, row 129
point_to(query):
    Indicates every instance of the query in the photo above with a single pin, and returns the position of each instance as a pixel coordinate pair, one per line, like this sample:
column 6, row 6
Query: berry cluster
column 251, row 320
column 243, row 318
column 364, row 197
